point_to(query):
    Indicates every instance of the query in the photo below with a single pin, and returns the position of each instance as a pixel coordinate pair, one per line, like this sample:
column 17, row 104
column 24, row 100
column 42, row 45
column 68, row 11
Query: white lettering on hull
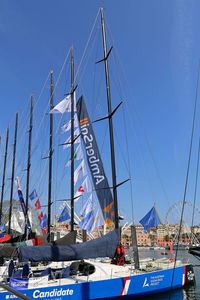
column 54, row 293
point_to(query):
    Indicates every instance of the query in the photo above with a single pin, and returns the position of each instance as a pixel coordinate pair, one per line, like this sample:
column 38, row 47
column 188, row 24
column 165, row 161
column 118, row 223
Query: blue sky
column 158, row 46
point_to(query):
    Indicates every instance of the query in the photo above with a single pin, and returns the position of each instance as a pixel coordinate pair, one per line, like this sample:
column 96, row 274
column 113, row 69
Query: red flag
column 44, row 230
column 37, row 204
column 80, row 189
column 40, row 216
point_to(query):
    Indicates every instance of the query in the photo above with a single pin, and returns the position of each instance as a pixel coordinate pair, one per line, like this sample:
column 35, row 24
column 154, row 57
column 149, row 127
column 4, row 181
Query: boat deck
column 105, row 271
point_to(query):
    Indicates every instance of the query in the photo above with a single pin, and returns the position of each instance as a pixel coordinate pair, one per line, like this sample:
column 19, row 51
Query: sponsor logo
column 18, row 284
column 52, row 293
column 153, row 281
column 145, row 282
column 92, row 157
column 11, row 296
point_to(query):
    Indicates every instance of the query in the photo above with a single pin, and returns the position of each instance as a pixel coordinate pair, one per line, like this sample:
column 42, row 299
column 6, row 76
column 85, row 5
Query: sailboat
column 85, row 276
column 24, row 229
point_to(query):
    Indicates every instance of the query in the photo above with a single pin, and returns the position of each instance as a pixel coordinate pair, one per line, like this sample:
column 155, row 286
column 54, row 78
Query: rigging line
column 63, row 172
column 129, row 164
column 65, row 61
column 94, row 109
column 21, row 137
column 34, row 147
column 19, row 159
column 35, row 174
column 142, row 157
column 119, row 144
column 36, row 168
column 87, row 58
column 97, row 97
column 12, row 122
column 118, row 82
column 97, row 102
column 42, row 176
column 126, row 164
column 188, row 169
column 195, row 190
column 41, row 92
column 151, row 154
column 116, row 58
column 41, row 179
column 87, row 44
column 47, row 106
column 43, row 167
column 117, row 61
column 55, row 86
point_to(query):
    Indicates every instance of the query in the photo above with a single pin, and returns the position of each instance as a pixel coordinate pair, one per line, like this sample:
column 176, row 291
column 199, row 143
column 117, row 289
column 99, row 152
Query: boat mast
column 50, row 156
column 4, row 174
column 29, row 160
column 13, row 173
column 112, row 147
column 72, row 139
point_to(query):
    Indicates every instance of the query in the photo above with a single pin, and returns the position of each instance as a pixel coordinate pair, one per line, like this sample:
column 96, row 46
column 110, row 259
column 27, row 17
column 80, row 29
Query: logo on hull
column 145, row 284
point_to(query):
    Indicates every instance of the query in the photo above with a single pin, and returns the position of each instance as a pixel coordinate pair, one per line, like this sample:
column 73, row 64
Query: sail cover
column 102, row 247
column 68, row 239
column 95, row 163
column 151, row 219
column 10, row 252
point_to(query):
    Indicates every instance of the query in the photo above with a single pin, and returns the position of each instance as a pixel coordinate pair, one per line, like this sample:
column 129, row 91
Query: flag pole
column 13, row 173
column 50, row 156
column 112, row 147
column 28, row 162
column 4, row 174
column 72, row 139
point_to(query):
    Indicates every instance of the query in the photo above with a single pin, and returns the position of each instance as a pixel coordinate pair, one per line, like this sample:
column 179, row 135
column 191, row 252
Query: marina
column 67, row 214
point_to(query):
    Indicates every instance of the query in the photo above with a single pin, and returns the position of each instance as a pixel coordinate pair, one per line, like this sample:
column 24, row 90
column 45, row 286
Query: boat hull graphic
column 123, row 287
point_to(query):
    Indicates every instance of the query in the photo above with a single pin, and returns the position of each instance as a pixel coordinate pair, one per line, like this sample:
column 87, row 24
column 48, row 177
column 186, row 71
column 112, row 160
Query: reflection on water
column 189, row 293
column 192, row 292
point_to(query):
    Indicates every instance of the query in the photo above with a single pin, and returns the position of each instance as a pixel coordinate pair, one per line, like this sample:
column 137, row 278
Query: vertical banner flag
column 95, row 164
column 23, row 206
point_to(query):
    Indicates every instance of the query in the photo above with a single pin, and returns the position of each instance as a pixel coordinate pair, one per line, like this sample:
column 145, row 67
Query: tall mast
column 4, row 174
column 50, row 156
column 112, row 147
column 13, row 173
column 29, row 159
column 72, row 139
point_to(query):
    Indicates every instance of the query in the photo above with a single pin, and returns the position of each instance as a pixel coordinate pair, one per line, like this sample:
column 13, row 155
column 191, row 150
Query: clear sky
column 158, row 45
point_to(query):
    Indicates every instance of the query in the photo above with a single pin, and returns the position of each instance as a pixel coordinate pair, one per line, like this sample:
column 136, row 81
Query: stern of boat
column 189, row 276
